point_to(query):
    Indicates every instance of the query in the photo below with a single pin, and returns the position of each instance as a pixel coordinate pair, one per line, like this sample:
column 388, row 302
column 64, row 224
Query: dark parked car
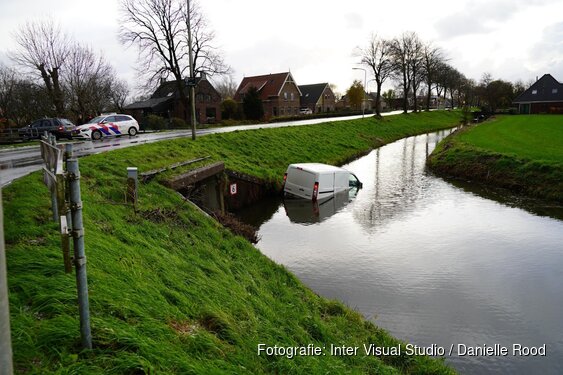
column 59, row 127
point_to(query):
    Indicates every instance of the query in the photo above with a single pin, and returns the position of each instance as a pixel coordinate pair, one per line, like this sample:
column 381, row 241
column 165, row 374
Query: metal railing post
column 79, row 252
column 54, row 202
column 132, row 185
column 5, row 335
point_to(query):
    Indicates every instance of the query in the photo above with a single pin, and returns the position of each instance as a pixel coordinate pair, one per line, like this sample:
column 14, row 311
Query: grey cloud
column 474, row 17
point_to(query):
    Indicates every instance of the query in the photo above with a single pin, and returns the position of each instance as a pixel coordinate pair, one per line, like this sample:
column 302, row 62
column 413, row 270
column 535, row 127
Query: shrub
column 178, row 123
column 155, row 122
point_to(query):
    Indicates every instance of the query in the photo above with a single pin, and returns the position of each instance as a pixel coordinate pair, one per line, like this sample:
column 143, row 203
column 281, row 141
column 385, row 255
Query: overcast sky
column 315, row 39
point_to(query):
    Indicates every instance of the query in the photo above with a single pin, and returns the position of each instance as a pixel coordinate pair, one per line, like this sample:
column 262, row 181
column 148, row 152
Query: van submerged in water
column 316, row 181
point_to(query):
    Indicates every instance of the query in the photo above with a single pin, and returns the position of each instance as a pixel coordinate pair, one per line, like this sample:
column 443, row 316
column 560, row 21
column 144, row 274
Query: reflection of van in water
column 308, row 212
column 315, row 181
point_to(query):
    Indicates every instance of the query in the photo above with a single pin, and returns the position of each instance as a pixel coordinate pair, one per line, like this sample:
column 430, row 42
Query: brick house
column 318, row 97
column 544, row 96
column 279, row 93
column 166, row 102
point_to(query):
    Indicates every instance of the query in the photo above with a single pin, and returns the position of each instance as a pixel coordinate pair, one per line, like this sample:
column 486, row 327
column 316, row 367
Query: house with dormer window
column 279, row 93
column 318, row 97
column 544, row 96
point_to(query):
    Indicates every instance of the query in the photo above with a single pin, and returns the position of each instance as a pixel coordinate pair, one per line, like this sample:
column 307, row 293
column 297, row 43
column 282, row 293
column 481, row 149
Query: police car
column 112, row 124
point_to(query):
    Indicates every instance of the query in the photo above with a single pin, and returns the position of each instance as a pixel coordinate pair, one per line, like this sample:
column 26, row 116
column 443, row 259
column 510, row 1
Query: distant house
column 166, row 102
column 279, row 93
column 544, row 96
column 318, row 97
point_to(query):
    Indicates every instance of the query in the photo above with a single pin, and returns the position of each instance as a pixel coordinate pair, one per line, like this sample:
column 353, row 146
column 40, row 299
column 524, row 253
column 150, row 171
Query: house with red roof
column 279, row 93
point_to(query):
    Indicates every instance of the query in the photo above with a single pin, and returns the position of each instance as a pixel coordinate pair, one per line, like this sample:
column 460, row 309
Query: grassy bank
column 171, row 291
column 520, row 153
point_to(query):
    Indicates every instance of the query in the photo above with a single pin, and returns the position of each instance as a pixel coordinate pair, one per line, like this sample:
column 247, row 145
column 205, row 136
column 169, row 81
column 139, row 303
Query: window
column 285, row 95
column 534, row 92
column 554, row 91
column 292, row 97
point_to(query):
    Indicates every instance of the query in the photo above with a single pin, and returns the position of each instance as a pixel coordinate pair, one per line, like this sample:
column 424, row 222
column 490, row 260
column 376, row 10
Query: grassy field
column 171, row 291
column 523, row 153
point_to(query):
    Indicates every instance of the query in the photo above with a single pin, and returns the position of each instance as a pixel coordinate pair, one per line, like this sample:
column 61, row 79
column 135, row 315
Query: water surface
column 430, row 262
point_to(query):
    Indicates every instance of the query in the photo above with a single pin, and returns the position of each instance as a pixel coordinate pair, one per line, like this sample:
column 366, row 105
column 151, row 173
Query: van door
column 300, row 182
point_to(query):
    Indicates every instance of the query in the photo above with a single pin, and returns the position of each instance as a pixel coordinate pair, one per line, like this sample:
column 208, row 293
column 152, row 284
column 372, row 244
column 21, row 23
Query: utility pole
column 192, row 77
column 5, row 336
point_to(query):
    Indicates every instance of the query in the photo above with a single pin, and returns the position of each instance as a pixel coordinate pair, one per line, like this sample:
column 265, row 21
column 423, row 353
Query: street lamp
column 365, row 84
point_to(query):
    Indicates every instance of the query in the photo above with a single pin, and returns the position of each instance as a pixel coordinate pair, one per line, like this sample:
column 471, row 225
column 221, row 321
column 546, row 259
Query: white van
column 315, row 181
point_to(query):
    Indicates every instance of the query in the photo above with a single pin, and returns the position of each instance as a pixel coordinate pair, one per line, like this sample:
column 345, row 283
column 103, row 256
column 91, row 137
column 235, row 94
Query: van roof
column 317, row 167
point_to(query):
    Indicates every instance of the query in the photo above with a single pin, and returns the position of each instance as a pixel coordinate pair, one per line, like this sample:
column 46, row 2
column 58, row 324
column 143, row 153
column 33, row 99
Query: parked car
column 59, row 127
column 108, row 125
column 316, row 181
column 305, row 111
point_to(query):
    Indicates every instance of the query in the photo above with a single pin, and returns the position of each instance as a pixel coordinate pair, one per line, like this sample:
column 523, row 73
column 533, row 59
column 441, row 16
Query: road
column 20, row 161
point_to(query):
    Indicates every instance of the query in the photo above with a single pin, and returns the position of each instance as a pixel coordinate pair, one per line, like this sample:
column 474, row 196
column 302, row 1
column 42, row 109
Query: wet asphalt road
column 20, row 161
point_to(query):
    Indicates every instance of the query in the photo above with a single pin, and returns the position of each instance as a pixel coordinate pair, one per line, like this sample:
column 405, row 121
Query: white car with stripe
column 108, row 125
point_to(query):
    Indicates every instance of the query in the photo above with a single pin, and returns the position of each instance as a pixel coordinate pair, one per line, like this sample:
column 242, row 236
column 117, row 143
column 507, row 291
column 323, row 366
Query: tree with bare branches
column 432, row 57
column 43, row 48
column 160, row 30
column 402, row 52
column 377, row 56
column 88, row 80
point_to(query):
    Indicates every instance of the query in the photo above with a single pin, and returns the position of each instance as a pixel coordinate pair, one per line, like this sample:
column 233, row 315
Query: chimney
column 162, row 80
column 202, row 75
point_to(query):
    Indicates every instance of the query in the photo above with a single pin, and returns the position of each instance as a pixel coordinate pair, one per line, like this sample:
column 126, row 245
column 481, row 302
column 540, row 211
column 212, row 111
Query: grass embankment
column 520, row 153
column 171, row 291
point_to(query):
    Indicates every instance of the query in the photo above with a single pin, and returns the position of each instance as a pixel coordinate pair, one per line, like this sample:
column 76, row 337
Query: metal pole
column 365, row 88
column 66, row 237
column 54, row 201
column 132, row 184
column 79, row 253
column 191, row 58
column 5, row 336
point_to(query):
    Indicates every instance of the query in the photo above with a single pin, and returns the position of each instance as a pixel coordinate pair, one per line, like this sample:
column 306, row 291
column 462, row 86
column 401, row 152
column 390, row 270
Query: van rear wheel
column 132, row 131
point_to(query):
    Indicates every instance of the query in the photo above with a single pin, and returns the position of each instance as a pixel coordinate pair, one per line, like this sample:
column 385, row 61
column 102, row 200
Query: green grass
column 534, row 137
column 171, row 291
column 522, row 153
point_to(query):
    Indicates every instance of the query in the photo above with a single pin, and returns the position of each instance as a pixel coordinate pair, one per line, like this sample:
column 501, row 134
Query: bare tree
column 432, row 57
column 43, row 48
column 208, row 58
column 227, row 87
column 403, row 52
column 21, row 100
column 159, row 28
column 119, row 93
column 87, row 81
column 377, row 56
column 416, row 66
column 8, row 83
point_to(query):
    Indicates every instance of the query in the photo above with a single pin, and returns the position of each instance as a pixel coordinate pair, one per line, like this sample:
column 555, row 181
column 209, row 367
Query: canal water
column 432, row 263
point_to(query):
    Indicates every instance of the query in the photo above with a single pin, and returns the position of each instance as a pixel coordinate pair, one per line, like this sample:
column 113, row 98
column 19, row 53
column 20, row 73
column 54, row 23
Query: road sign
column 233, row 189
column 53, row 157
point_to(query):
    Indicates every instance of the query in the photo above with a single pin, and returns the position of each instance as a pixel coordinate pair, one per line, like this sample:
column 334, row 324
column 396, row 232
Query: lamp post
column 365, row 84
